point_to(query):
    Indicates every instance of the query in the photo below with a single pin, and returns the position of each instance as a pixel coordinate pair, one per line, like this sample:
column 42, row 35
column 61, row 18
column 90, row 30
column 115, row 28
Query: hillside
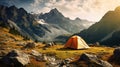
column 10, row 42
column 37, row 27
column 105, row 31
column 18, row 19
column 8, row 39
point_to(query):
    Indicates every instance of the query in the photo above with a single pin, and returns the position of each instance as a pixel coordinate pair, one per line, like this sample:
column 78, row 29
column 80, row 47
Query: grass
column 67, row 53
column 60, row 52
column 103, row 52
column 57, row 49
column 9, row 40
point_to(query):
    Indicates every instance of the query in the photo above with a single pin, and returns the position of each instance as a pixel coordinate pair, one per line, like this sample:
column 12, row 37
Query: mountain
column 72, row 26
column 106, row 31
column 13, row 17
column 48, row 26
column 18, row 20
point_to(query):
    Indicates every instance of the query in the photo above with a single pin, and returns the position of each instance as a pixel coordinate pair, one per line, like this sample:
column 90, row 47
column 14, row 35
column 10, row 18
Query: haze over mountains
column 53, row 26
column 106, row 31
column 39, row 27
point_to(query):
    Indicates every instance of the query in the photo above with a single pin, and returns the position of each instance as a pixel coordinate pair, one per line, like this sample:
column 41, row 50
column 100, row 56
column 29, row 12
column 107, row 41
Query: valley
column 28, row 39
column 58, row 50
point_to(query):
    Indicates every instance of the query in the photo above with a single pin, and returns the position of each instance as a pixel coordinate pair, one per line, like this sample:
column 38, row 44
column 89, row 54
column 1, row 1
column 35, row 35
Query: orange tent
column 76, row 42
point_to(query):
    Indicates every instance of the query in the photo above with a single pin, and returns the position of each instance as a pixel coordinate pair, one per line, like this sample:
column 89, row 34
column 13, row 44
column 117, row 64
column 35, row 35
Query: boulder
column 42, row 57
column 35, row 53
column 117, row 52
column 50, row 44
column 88, row 57
column 16, row 58
column 38, row 56
column 94, row 61
column 116, row 56
column 53, row 62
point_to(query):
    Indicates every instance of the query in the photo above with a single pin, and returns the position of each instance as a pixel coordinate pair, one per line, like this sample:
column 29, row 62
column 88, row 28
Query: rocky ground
column 17, row 52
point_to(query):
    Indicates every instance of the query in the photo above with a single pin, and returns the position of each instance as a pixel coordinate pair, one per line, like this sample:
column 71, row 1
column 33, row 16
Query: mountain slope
column 104, row 30
column 18, row 19
column 56, row 18
column 27, row 25
column 46, row 26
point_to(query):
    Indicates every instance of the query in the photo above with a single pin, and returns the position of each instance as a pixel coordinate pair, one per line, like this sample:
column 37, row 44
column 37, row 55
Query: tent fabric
column 76, row 42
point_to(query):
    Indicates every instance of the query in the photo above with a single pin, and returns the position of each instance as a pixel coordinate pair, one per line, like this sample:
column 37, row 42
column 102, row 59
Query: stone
column 117, row 51
column 35, row 53
column 21, row 44
column 43, row 57
column 94, row 61
column 16, row 58
column 30, row 45
column 116, row 56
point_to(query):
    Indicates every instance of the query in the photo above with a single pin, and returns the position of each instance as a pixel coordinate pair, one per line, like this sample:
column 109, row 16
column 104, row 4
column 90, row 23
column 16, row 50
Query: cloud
column 36, row 3
column 92, row 10
column 15, row 2
column 97, row 8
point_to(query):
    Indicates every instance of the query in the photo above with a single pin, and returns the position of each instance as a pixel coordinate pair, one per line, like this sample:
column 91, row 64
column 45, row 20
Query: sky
column 92, row 10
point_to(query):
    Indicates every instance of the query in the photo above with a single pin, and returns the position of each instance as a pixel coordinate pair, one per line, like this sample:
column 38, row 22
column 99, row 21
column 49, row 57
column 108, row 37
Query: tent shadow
column 69, row 49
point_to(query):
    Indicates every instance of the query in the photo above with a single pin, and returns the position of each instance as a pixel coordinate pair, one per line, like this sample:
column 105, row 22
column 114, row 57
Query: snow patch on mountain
column 41, row 21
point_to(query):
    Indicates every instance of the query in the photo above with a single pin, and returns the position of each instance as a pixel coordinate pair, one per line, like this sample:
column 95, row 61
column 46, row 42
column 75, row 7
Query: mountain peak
column 22, row 10
column 54, row 10
column 77, row 18
column 13, row 7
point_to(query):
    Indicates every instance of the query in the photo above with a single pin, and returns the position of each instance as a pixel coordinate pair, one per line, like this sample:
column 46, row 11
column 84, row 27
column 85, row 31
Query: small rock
column 30, row 45
column 20, row 44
